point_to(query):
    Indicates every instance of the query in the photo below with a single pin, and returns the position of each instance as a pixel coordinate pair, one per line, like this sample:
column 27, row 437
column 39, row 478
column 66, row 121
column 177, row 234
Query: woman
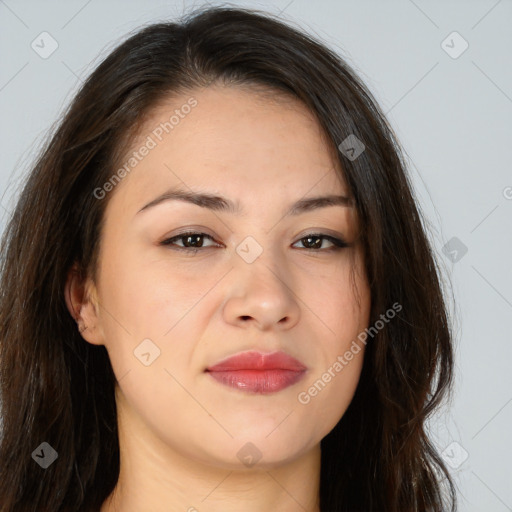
column 217, row 293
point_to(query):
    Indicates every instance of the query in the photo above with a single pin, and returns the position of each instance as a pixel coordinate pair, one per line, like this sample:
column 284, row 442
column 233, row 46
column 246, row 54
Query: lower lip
column 258, row 381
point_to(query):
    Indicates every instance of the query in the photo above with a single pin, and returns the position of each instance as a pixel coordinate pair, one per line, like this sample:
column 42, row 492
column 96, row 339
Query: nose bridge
column 258, row 259
column 263, row 290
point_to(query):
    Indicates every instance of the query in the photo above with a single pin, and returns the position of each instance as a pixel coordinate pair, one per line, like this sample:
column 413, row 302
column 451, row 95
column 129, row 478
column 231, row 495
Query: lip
column 257, row 372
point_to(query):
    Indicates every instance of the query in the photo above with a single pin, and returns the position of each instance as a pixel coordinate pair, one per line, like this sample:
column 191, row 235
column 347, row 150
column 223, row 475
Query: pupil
column 316, row 245
column 192, row 237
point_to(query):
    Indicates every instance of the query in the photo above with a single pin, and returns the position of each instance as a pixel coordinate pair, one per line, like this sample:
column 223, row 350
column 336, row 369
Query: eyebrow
column 221, row 204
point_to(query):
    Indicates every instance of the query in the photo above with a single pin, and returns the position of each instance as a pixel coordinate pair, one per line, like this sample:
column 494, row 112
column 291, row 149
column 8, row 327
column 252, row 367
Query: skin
column 179, row 429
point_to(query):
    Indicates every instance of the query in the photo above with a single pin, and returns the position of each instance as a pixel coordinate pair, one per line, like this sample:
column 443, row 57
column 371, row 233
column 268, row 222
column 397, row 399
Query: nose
column 261, row 297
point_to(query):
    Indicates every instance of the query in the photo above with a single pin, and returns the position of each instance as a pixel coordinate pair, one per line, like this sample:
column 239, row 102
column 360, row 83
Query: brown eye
column 192, row 241
column 314, row 242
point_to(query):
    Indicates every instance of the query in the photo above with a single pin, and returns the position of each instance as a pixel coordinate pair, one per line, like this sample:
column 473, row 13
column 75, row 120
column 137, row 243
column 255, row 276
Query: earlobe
column 79, row 294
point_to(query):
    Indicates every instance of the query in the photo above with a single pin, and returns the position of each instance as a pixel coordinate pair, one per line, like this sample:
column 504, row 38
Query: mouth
column 256, row 372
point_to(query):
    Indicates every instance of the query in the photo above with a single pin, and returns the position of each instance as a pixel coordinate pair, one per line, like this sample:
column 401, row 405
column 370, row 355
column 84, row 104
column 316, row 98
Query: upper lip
column 253, row 360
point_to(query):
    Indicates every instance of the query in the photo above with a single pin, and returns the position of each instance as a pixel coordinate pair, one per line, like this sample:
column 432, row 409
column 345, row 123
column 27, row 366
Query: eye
column 313, row 242
column 194, row 241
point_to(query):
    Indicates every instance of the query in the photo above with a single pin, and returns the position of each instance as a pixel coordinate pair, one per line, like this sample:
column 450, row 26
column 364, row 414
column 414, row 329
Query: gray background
column 452, row 114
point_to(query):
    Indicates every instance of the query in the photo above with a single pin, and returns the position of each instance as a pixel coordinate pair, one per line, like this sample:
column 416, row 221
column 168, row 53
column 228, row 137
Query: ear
column 82, row 303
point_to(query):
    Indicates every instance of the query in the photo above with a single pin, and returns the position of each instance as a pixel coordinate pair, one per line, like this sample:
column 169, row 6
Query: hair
column 59, row 389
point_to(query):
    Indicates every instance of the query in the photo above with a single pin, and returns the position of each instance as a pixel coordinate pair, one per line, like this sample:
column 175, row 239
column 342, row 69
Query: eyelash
column 338, row 242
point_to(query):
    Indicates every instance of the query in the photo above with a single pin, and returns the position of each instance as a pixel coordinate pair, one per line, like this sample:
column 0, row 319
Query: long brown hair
column 57, row 388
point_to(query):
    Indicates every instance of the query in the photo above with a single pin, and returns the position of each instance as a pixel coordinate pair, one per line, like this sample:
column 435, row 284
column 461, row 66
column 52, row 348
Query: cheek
column 345, row 314
column 329, row 394
column 148, row 298
column 343, row 304
column 335, row 292
column 153, row 308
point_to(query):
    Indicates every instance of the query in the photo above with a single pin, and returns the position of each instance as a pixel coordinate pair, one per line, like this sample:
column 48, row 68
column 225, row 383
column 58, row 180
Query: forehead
column 243, row 142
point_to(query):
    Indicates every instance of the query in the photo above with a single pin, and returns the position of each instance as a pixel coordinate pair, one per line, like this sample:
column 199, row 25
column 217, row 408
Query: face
column 264, row 278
